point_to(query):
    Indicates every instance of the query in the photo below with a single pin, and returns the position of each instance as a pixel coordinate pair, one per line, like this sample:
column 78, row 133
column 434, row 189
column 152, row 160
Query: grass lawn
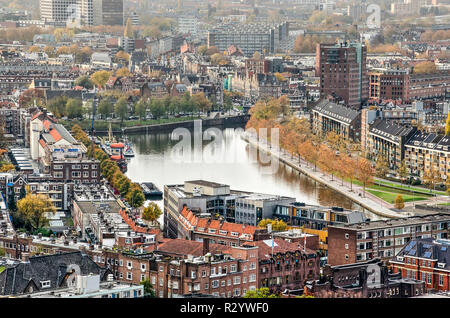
column 405, row 187
column 390, row 197
column 444, row 204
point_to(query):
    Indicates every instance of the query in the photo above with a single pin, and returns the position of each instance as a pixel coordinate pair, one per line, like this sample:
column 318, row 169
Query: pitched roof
column 185, row 247
column 54, row 268
column 280, row 246
column 337, row 111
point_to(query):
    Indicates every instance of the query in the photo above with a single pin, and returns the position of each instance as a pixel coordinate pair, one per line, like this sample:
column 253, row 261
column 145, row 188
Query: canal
column 158, row 159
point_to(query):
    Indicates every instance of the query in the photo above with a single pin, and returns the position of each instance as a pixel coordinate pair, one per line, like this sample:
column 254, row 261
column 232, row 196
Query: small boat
column 128, row 153
column 150, row 190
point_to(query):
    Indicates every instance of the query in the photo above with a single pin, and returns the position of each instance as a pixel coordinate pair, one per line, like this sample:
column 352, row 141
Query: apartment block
column 354, row 243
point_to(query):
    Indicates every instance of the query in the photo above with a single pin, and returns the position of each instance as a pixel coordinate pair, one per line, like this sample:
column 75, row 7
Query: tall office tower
column 60, row 11
column 342, row 71
column 112, row 12
column 87, row 12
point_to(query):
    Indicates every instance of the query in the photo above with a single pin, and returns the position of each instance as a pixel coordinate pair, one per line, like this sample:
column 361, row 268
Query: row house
column 425, row 260
column 285, row 265
column 388, row 139
column 428, row 151
column 370, row 279
column 353, row 243
column 154, row 90
column 123, row 84
column 329, row 116
column 256, row 85
column 218, row 231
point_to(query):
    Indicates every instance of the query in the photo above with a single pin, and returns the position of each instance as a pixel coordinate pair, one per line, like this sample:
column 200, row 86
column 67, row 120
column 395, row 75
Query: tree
column 141, row 109
column 152, row 212
column 399, row 203
column 203, row 103
column 121, row 108
column 23, row 192
column 263, row 292
column 7, row 167
column 34, row 207
column 364, row 172
column 447, row 125
column 74, row 108
column 123, row 72
column 128, row 33
column 277, row 225
column 425, row 67
column 100, row 78
column 34, row 49
column 382, row 166
column 157, row 108
column 431, row 177
column 57, row 106
column 123, row 56
column 148, row 288
column 84, row 82
column 105, row 107
column 135, row 197
column 403, row 170
column 12, row 204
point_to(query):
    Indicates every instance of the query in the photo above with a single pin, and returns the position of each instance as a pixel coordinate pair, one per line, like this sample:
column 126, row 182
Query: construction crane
column 94, row 107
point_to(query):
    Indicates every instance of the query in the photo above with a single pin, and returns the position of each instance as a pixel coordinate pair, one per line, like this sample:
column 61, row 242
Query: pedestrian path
column 354, row 192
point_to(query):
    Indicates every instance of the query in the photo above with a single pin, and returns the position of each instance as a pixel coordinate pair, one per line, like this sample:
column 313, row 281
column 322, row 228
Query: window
column 347, row 236
column 441, row 280
column 215, row 284
column 129, row 275
column 237, row 280
column 143, row 267
column 233, row 268
column 45, row 284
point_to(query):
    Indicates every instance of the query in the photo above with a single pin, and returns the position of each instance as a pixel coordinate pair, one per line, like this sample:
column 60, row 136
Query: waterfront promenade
column 356, row 194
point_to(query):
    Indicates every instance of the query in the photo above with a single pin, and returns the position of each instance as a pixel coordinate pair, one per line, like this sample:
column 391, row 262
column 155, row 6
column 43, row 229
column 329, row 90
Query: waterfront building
column 387, row 138
column 353, row 243
column 211, row 199
column 329, row 116
column 427, row 151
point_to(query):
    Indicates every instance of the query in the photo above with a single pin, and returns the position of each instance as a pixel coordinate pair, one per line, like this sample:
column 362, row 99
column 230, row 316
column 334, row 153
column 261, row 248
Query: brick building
column 425, row 260
column 355, row 243
column 342, row 71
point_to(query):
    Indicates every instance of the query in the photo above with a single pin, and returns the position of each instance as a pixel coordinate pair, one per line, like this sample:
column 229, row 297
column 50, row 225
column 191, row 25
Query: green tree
column 121, row 108
column 105, row 107
column 157, row 108
column 148, row 288
column 263, row 292
column 84, row 81
column 23, row 192
column 152, row 212
column 74, row 108
column 12, row 205
column 141, row 109
column 135, row 197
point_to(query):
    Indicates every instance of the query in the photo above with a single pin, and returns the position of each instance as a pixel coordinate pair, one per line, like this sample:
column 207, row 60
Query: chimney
column 205, row 246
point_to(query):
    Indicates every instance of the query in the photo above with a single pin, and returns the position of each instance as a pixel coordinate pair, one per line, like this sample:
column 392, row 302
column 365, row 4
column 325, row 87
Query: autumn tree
column 123, row 56
column 277, row 225
column 84, row 82
column 152, row 212
column 263, row 292
column 128, row 33
column 100, row 78
column 33, row 209
column 403, row 170
column 364, row 172
column 123, row 72
column 431, row 177
column 135, row 197
column 203, row 103
column 382, row 166
column 399, row 203
column 447, row 125
column 425, row 67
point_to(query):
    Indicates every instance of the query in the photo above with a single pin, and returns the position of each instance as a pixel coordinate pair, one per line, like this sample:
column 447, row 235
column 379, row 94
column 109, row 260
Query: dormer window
column 441, row 265
column 45, row 284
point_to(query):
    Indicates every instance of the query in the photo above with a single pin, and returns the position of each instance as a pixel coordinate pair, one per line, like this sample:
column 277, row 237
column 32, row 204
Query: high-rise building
column 342, row 71
column 62, row 11
column 112, row 12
